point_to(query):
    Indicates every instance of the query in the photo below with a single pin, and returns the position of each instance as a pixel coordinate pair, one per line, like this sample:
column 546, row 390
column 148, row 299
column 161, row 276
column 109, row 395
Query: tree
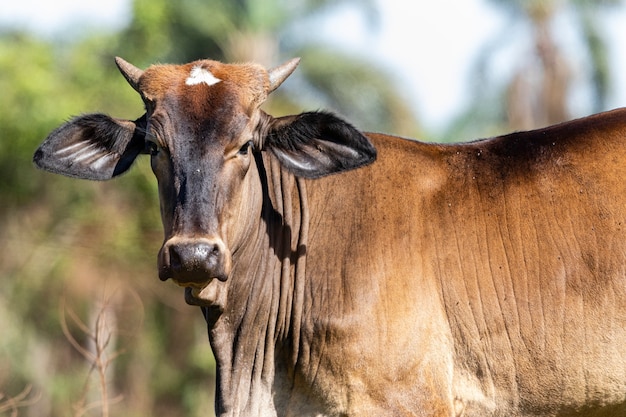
column 538, row 91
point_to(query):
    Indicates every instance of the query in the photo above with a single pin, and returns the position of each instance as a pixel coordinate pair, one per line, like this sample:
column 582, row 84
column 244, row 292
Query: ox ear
column 316, row 144
column 93, row 147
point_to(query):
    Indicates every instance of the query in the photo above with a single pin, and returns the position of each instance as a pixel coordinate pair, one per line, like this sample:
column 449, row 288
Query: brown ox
column 479, row 279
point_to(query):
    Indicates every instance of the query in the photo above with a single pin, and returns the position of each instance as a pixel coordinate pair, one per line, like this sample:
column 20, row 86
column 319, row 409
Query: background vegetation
column 85, row 326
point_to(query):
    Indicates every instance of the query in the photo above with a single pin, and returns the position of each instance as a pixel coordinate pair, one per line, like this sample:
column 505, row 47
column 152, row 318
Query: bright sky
column 48, row 17
column 431, row 46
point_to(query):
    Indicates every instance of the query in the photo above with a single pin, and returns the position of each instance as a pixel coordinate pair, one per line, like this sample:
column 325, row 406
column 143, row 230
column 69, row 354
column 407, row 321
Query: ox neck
column 261, row 318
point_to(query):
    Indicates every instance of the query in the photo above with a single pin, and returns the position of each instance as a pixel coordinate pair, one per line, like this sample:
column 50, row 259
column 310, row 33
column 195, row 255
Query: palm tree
column 549, row 71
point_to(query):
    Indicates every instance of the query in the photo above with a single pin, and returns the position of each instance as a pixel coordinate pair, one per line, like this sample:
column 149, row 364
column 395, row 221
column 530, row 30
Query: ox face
column 204, row 133
column 202, row 159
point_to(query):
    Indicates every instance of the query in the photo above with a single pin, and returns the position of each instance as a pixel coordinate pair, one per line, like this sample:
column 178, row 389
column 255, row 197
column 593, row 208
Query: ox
column 478, row 279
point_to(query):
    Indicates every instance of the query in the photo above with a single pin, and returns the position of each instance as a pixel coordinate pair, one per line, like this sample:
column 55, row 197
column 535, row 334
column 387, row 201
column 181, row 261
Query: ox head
column 202, row 128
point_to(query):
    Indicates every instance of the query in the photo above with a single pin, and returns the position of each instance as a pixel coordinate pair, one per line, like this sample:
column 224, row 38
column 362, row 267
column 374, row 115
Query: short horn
column 130, row 72
column 280, row 73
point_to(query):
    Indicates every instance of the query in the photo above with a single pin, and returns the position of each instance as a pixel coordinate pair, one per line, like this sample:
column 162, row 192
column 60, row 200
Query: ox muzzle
column 193, row 262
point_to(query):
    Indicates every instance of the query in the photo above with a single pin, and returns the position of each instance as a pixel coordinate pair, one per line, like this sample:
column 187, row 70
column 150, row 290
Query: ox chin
column 213, row 294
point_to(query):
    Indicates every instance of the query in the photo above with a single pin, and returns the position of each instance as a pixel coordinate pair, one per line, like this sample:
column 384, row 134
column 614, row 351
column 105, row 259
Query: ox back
column 477, row 279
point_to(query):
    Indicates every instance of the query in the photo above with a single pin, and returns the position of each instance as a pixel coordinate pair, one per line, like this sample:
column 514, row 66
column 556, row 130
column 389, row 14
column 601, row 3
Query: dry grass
column 99, row 349
column 21, row 400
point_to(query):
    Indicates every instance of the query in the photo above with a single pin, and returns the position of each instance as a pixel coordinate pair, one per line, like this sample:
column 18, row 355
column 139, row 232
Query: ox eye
column 245, row 148
column 151, row 148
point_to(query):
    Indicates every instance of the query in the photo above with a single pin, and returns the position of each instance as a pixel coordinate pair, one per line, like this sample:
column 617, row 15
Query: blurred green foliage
column 70, row 250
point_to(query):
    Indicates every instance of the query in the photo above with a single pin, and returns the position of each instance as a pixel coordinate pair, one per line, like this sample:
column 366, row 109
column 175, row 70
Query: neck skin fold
column 262, row 317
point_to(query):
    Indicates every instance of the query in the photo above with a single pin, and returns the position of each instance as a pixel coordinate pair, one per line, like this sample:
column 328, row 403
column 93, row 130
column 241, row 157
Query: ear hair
column 93, row 146
column 316, row 144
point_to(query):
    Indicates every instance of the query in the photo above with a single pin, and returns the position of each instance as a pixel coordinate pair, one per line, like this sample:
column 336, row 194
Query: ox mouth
column 192, row 278
column 199, row 290
column 209, row 294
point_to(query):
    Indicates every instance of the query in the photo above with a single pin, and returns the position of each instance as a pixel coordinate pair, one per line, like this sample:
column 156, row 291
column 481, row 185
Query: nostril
column 175, row 259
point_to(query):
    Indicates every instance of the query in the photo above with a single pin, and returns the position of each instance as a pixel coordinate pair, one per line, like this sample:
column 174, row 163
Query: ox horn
column 280, row 73
column 130, row 72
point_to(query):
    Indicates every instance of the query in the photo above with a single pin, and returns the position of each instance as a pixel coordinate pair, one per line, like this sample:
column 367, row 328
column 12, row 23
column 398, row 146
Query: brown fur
column 470, row 280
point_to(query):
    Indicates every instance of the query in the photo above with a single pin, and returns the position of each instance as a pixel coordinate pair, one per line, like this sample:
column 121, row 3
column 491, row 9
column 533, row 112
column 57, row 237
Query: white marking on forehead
column 201, row 75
